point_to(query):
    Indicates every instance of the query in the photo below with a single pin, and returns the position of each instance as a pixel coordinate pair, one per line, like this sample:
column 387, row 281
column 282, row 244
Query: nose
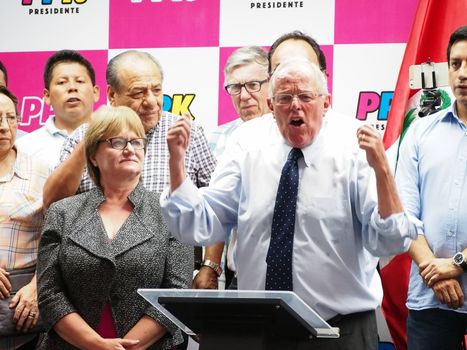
column 149, row 99
column 3, row 123
column 72, row 86
column 463, row 70
column 295, row 104
column 244, row 94
column 129, row 148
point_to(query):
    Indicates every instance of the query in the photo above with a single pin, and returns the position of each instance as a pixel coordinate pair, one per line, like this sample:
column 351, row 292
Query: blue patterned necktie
column 279, row 257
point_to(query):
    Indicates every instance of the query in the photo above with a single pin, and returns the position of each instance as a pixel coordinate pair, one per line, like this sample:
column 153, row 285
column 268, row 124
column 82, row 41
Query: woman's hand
column 5, row 285
column 117, row 344
column 25, row 304
column 73, row 329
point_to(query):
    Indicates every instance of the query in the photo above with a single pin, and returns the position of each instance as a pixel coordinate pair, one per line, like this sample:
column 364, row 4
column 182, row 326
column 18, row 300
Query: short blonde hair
column 108, row 122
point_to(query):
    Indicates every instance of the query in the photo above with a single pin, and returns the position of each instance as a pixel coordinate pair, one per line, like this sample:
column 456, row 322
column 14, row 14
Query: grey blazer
column 80, row 270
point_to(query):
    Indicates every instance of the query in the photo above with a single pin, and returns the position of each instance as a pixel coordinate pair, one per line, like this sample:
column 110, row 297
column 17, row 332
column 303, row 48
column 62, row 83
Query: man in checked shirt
column 135, row 80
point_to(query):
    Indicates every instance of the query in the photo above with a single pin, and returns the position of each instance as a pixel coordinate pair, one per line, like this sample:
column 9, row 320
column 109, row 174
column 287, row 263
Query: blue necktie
column 279, row 257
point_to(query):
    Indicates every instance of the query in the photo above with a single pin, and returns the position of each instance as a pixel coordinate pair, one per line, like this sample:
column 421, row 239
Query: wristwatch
column 216, row 267
column 459, row 260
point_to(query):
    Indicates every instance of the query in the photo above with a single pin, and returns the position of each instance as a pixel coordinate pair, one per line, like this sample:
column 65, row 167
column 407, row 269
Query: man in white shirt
column 246, row 81
column 70, row 88
column 347, row 207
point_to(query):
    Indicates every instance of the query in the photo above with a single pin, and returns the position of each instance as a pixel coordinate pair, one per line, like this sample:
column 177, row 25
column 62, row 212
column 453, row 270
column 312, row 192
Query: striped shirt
column 199, row 161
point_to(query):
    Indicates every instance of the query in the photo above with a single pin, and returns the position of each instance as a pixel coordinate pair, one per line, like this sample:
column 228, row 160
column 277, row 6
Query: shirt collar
column 309, row 150
column 315, row 145
column 450, row 115
column 52, row 128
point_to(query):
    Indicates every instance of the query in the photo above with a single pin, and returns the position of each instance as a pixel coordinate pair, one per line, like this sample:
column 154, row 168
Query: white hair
column 245, row 56
column 300, row 67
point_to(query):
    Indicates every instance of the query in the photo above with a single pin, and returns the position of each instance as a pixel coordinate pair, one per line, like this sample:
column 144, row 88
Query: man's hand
column 449, row 292
column 370, row 141
column 25, row 304
column 5, row 285
column 178, row 138
column 438, row 269
column 206, row 278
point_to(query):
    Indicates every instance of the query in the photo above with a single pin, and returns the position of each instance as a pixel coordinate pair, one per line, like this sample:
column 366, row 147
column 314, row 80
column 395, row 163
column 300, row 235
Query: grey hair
column 111, row 73
column 244, row 56
column 301, row 67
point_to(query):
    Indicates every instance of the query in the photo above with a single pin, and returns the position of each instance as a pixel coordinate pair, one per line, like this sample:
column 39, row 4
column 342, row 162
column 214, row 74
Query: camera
column 430, row 102
column 429, row 76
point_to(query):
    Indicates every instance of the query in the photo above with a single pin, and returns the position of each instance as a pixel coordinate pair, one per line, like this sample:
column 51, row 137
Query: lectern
column 245, row 320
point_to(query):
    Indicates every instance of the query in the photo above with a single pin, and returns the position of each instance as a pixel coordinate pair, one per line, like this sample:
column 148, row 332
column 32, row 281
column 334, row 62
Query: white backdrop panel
column 86, row 29
column 240, row 24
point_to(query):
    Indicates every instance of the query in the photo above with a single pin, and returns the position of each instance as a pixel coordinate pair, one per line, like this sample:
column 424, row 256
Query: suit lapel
column 89, row 232
column 91, row 235
column 134, row 231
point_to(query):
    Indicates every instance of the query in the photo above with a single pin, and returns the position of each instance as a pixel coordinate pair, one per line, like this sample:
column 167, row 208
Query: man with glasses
column 313, row 199
column 246, row 81
column 298, row 44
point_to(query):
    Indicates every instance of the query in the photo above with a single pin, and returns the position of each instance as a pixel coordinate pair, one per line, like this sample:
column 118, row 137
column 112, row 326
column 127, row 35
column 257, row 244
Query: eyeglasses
column 121, row 143
column 250, row 86
column 304, row 97
column 10, row 120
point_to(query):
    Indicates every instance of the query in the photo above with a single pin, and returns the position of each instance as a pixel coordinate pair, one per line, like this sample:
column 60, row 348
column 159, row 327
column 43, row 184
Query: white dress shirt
column 44, row 143
column 337, row 227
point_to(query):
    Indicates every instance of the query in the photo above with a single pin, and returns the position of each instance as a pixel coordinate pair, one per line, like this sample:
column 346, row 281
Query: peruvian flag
column 434, row 22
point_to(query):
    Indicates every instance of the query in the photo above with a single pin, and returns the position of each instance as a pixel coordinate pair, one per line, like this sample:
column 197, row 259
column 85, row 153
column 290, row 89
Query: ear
column 96, row 91
column 270, row 105
column 93, row 160
column 46, row 96
column 326, row 103
column 111, row 95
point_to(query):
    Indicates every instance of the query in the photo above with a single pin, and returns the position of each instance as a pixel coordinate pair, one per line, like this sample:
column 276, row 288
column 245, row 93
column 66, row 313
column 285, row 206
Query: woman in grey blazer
column 98, row 247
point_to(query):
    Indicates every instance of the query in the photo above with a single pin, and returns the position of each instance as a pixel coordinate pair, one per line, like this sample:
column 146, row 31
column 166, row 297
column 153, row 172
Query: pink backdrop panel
column 369, row 21
column 163, row 24
column 226, row 109
column 25, row 80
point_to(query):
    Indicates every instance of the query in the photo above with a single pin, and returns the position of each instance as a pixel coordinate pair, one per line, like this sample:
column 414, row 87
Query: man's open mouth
column 296, row 122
